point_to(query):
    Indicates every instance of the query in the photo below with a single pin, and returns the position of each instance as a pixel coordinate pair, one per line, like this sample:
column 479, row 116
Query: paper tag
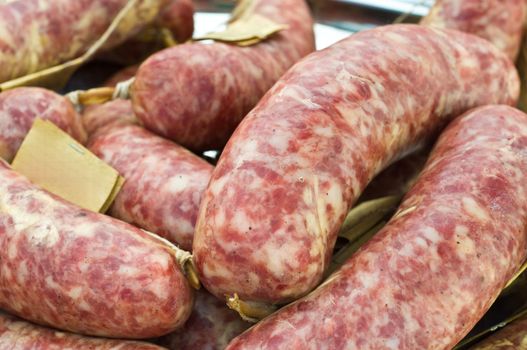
column 245, row 31
column 53, row 160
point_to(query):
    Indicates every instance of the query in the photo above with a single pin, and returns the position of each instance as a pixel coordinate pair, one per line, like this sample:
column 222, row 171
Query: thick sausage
column 210, row 327
column 196, row 94
column 177, row 17
column 82, row 271
column 164, row 182
column 499, row 21
column 121, row 75
column 426, row 279
column 37, row 34
column 311, row 145
column 95, row 117
column 19, row 108
column 98, row 116
column 16, row 334
column 511, row 337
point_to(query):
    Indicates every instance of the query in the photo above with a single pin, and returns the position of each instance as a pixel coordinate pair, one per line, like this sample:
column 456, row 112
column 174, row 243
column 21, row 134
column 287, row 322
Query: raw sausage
column 164, row 182
column 308, row 149
column 499, row 21
column 511, row 337
column 98, row 116
column 84, row 272
column 37, row 34
column 432, row 272
column 19, row 108
column 210, row 327
column 121, row 75
column 196, row 94
column 177, row 17
column 16, row 334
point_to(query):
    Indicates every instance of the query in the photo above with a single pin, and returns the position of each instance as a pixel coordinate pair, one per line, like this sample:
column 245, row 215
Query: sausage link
column 210, row 327
column 288, row 176
column 37, row 34
column 84, row 272
column 426, row 279
column 177, row 16
column 96, row 117
column 164, row 182
column 19, row 108
column 499, row 21
column 16, row 334
column 196, row 94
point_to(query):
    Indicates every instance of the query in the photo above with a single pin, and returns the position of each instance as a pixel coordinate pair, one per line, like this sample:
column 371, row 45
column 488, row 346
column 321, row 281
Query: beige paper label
column 245, row 31
column 50, row 158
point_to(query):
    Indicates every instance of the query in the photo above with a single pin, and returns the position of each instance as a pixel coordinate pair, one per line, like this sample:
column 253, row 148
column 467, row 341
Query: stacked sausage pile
column 301, row 135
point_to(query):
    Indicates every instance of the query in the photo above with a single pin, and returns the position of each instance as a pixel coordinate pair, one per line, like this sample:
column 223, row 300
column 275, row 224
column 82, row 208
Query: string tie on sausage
column 122, row 89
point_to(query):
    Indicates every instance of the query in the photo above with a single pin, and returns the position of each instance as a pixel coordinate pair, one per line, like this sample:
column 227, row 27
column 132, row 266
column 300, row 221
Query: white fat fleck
column 250, row 148
column 159, row 288
column 369, row 280
column 178, row 183
column 45, row 233
column 280, row 141
column 324, row 131
column 275, row 257
column 38, row 228
column 474, row 209
column 50, row 283
column 465, row 245
column 407, row 250
column 75, row 292
column 431, row 234
column 299, row 94
column 84, row 305
column 240, row 220
column 163, row 260
column 313, row 224
column 420, row 242
column 22, row 272
column 128, row 271
column 12, row 251
column 392, row 343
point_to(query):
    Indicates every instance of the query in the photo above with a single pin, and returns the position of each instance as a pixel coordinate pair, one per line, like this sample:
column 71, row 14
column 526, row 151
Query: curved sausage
column 432, row 272
column 499, row 21
column 177, row 17
column 97, row 117
column 16, row 334
column 164, row 182
column 41, row 33
column 196, row 94
column 288, row 176
column 210, row 327
column 20, row 107
column 84, row 272
column 122, row 75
